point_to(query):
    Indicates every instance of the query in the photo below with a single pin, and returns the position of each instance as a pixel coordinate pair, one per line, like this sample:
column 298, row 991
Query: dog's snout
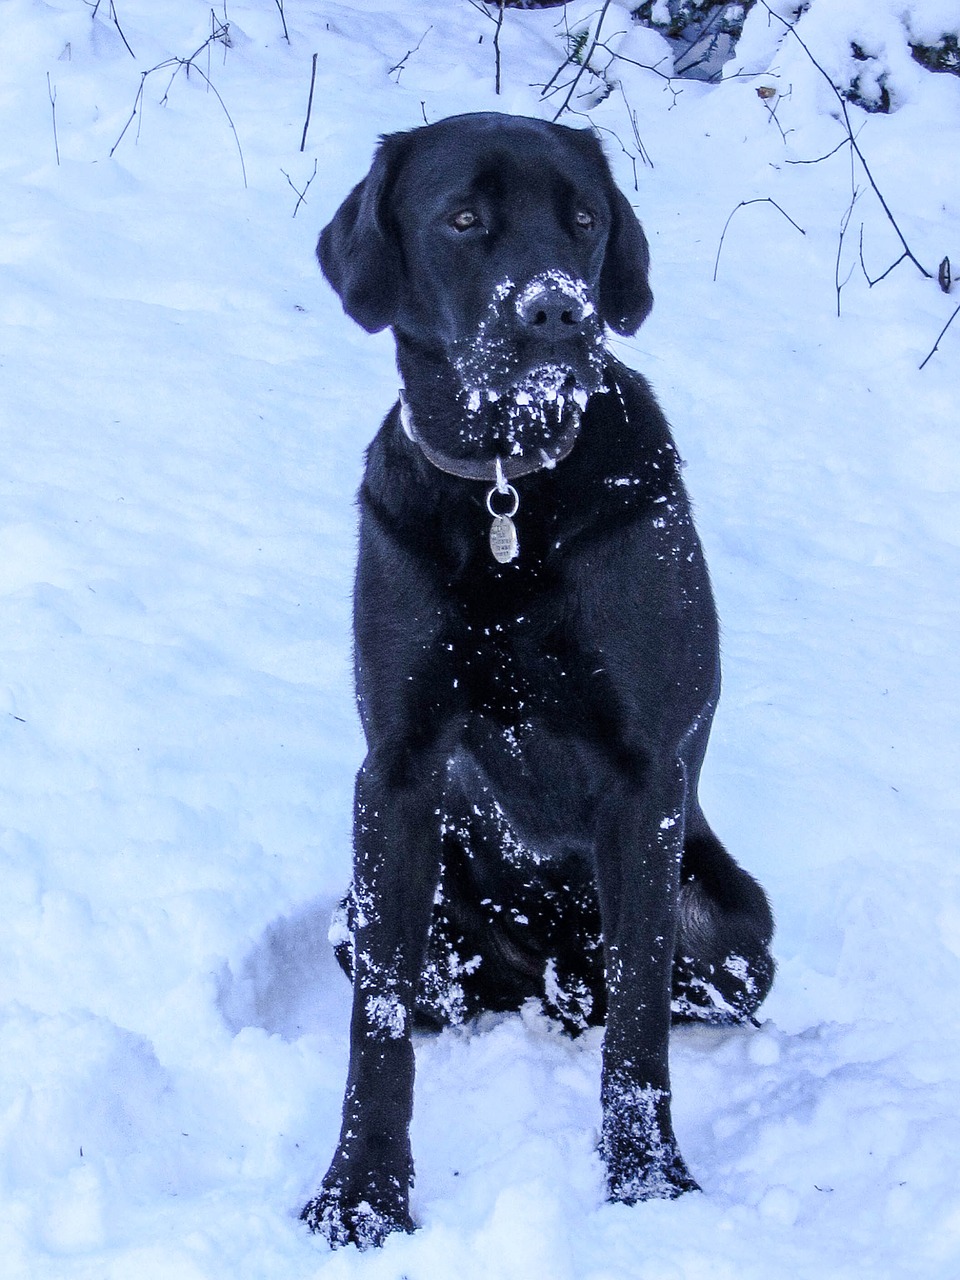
column 551, row 311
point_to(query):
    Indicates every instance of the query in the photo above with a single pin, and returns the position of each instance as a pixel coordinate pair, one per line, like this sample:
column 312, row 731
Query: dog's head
column 497, row 248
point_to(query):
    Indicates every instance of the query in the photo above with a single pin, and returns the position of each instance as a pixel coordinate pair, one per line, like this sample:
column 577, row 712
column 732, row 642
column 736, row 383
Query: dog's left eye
column 464, row 220
column 584, row 220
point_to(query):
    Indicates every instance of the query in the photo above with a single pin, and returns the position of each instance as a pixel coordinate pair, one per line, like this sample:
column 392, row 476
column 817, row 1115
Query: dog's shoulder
column 627, row 463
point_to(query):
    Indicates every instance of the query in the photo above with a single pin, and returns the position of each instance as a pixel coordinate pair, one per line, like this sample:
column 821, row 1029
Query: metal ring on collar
column 508, row 492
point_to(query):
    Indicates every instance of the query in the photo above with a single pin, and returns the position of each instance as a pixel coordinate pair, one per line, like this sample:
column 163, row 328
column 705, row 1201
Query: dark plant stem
column 742, row 205
column 306, row 123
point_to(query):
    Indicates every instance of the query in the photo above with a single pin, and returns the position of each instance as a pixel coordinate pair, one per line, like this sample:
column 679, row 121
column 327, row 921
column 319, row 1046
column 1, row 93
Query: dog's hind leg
column 472, row 965
column 722, row 967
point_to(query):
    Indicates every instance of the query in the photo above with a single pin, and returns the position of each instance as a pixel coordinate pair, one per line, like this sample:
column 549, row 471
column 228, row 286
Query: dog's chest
column 529, row 719
column 513, row 668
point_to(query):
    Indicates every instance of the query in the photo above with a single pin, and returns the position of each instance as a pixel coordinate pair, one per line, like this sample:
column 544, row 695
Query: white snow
column 183, row 413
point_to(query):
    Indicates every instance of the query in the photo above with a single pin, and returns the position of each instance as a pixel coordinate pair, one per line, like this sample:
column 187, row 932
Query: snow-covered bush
column 703, row 36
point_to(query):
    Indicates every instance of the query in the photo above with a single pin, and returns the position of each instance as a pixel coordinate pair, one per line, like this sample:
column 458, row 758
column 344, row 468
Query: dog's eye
column 464, row 220
column 584, row 220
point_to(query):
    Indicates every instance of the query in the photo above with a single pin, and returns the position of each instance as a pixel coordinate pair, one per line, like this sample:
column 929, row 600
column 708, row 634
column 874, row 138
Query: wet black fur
column 527, row 822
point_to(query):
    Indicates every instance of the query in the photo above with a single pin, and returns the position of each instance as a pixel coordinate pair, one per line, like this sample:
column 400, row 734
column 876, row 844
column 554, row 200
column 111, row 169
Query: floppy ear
column 358, row 251
column 625, row 295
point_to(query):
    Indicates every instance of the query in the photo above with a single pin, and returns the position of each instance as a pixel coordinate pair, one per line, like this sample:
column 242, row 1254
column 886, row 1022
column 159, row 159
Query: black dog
column 536, row 661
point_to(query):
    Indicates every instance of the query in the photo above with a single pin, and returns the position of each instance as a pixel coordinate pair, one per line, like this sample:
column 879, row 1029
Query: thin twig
column 498, row 22
column 496, row 49
column 772, row 112
column 845, row 222
column 302, row 194
column 863, row 265
column 306, row 123
column 233, row 127
column 219, row 31
column 742, row 205
column 398, row 66
column 942, row 332
column 286, row 33
column 629, row 154
column 820, row 159
column 584, row 63
column 644, row 153
column 52, row 94
column 116, row 23
column 178, row 65
column 646, row 66
column 877, row 192
column 136, row 103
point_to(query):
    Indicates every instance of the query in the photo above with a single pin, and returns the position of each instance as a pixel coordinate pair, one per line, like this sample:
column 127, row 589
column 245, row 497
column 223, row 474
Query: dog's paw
column 638, row 1147
column 342, row 1220
column 725, row 994
column 663, row 1178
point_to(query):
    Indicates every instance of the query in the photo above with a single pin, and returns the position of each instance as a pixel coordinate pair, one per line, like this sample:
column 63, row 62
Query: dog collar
column 493, row 469
column 504, row 543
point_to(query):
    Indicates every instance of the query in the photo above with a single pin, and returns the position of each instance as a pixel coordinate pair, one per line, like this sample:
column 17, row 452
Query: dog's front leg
column 640, row 840
column 365, row 1193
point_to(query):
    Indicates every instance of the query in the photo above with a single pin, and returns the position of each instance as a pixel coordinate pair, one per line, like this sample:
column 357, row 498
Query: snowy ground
column 183, row 410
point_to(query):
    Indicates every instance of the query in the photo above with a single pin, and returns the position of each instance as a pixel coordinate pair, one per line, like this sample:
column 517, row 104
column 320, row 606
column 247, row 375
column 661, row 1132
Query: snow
column 183, row 410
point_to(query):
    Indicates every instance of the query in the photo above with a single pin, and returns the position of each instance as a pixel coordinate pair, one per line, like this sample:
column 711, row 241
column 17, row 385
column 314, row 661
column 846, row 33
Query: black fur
column 527, row 822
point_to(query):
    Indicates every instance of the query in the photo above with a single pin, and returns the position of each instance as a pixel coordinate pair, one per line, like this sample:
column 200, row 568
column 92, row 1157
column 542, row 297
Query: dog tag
column 503, row 532
column 503, row 539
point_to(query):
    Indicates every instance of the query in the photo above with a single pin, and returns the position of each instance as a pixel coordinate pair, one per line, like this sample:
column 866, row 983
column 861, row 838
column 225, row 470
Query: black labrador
column 536, row 657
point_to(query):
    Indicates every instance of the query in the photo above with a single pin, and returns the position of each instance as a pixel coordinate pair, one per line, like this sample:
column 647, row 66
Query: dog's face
column 497, row 248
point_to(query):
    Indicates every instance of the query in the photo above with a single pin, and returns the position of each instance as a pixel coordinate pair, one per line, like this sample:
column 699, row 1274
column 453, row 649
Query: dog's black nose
column 551, row 311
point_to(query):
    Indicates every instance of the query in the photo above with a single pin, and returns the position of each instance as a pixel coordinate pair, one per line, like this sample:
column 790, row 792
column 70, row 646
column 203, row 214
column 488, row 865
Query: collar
column 495, row 470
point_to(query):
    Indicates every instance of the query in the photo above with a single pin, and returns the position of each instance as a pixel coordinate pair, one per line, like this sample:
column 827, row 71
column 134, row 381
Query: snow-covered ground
column 183, row 410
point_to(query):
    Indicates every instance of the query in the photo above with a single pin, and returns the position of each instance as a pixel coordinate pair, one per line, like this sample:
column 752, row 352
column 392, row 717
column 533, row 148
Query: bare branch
column 772, row 113
column 646, row 66
column 286, row 33
column 498, row 22
column 496, row 48
column 845, row 222
column 116, row 23
column 233, row 127
column 742, row 205
column 629, row 154
column 584, row 63
column 301, row 194
column 52, row 95
column 940, row 335
column 820, row 159
column 398, row 66
column 863, row 266
column 306, row 123
column 136, row 104
column 851, row 138
column 644, row 153
column 185, row 65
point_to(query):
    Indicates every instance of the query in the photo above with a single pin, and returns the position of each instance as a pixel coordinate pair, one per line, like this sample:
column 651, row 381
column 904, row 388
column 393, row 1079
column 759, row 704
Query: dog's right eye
column 464, row 220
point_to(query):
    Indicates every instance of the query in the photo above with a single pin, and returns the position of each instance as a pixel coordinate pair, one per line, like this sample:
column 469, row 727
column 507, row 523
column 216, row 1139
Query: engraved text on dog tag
column 503, row 539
